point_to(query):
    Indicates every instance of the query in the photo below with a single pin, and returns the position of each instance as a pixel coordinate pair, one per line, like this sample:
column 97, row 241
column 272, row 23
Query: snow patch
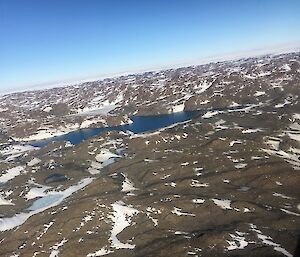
column 177, row 211
column 239, row 241
column 42, row 205
column 210, row 114
column 33, row 162
column 121, row 218
column 259, row 93
column 11, row 173
column 178, row 108
column 101, row 252
column 223, row 204
column 47, row 109
column 127, row 185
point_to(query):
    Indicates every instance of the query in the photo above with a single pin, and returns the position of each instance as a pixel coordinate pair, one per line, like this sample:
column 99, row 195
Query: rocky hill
column 225, row 183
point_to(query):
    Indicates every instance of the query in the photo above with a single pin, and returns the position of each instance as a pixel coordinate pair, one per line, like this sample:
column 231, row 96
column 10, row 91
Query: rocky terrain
column 225, row 183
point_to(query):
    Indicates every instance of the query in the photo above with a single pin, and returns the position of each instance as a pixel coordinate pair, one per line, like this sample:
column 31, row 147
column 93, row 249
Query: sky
column 52, row 41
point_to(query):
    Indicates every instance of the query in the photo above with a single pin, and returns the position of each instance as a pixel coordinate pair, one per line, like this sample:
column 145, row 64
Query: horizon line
column 250, row 53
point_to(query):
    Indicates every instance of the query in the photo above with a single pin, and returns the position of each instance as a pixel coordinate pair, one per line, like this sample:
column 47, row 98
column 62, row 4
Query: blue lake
column 140, row 124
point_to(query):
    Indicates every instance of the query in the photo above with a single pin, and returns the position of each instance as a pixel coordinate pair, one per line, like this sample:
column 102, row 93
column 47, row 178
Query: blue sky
column 44, row 41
